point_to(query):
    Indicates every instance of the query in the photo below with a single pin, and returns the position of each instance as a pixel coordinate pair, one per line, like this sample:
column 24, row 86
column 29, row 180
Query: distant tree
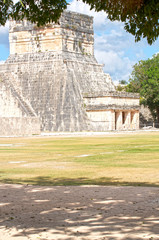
column 145, row 80
column 121, row 86
column 123, row 82
column 141, row 17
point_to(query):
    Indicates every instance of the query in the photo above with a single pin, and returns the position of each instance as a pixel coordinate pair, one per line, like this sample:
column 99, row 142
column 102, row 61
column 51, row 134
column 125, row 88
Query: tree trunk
column 157, row 111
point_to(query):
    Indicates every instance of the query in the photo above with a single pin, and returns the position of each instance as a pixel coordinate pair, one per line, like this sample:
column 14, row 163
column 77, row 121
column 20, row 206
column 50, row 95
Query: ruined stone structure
column 52, row 81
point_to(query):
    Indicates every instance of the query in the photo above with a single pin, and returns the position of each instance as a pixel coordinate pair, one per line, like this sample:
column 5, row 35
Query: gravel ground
column 78, row 134
column 78, row 212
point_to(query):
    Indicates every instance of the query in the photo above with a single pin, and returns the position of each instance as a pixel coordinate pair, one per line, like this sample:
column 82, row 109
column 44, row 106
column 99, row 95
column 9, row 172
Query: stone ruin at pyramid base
column 52, row 82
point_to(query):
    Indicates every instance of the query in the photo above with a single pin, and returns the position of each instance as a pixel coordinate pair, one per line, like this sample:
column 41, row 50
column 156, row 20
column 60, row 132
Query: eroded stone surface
column 52, row 74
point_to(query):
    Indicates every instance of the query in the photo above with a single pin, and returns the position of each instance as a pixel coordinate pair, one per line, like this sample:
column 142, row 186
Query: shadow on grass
column 48, row 181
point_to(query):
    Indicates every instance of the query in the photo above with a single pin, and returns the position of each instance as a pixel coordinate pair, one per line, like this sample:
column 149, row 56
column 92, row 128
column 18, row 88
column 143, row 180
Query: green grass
column 110, row 160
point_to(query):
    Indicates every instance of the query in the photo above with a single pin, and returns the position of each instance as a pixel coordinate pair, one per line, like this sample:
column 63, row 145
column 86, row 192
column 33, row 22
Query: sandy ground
column 78, row 212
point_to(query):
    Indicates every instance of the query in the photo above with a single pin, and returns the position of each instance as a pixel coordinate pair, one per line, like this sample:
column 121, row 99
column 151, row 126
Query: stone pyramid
column 52, row 74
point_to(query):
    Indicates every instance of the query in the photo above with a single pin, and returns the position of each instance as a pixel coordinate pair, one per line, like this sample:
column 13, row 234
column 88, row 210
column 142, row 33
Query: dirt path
column 82, row 212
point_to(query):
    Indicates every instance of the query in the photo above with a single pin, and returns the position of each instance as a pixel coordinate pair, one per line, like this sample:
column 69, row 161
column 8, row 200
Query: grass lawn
column 131, row 159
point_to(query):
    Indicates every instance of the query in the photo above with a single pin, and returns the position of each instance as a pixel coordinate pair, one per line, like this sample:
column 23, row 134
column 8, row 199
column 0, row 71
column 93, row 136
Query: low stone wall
column 19, row 126
column 111, row 94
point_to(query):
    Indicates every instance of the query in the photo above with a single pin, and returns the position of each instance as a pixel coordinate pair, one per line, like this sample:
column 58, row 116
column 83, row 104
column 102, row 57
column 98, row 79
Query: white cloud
column 115, row 64
column 114, row 47
column 110, row 42
column 4, row 35
column 99, row 18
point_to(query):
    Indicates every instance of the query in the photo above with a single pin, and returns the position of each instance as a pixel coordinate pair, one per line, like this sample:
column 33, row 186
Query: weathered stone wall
column 54, row 95
column 104, row 120
column 113, row 110
column 101, row 120
column 16, row 116
column 74, row 33
column 19, row 126
column 9, row 106
column 114, row 102
column 12, row 103
column 54, row 85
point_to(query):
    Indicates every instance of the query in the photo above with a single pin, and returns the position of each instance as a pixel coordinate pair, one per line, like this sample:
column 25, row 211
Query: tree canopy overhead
column 145, row 80
column 141, row 17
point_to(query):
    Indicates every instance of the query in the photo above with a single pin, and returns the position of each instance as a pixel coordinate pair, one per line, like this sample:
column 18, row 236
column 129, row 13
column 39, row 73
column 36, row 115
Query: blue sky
column 4, row 43
column 115, row 48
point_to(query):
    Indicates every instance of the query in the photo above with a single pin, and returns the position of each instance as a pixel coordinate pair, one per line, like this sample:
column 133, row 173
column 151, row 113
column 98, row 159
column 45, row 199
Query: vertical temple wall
column 74, row 33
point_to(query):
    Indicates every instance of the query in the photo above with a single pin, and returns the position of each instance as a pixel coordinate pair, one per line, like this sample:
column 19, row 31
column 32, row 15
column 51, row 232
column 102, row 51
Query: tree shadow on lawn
column 79, row 212
column 48, row 181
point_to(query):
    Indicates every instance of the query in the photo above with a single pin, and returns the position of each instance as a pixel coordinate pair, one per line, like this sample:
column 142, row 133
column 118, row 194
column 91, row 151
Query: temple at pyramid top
column 73, row 33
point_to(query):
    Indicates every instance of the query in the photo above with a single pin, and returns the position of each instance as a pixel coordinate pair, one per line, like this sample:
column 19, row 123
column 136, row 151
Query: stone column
column 118, row 120
column 128, row 120
column 136, row 120
column 112, row 121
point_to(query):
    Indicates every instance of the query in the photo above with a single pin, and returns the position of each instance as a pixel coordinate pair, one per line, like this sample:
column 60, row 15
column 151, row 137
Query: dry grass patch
column 106, row 160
